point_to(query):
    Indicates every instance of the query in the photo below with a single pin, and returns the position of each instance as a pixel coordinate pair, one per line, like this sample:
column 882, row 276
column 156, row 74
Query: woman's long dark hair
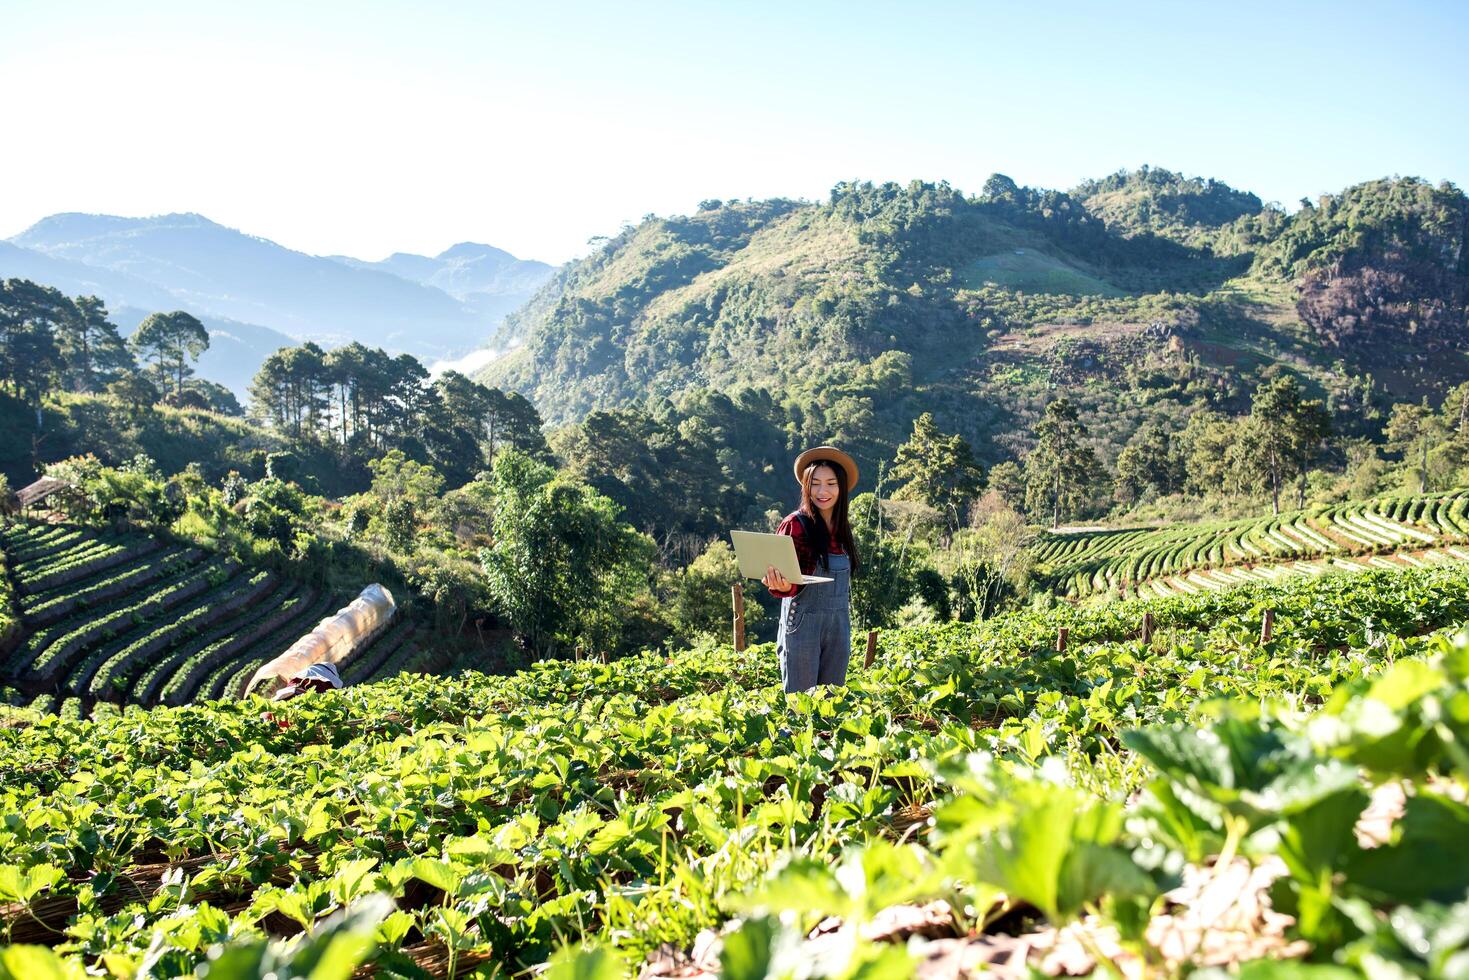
column 841, row 528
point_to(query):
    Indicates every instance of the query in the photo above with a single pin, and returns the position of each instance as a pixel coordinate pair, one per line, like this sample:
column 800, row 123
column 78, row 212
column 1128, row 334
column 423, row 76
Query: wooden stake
column 1147, row 627
column 871, row 649
column 1061, row 635
column 739, row 615
column 1267, row 626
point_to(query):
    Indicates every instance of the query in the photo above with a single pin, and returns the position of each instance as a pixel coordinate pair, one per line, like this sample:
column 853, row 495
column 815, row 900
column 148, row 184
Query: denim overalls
column 815, row 636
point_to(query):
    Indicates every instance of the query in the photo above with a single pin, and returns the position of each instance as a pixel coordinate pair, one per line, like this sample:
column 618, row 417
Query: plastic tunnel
column 336, row 638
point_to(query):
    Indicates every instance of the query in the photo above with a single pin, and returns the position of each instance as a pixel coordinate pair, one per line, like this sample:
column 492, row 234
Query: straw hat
column 827, row 454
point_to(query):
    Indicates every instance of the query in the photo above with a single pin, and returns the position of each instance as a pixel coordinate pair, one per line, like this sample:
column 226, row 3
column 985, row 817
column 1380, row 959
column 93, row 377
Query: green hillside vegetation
column 76, row 424
column 1158, row 306
column 1144, row 297
column 625, row 806
column 1196, row 212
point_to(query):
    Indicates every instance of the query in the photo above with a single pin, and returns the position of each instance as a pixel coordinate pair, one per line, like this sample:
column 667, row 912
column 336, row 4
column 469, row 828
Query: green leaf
column 760, row 949
column 613, row 833
column 1317, row 840
column 1404, row 683
column 1429, row 840
column 390, row 931
column 880, row 874
column 1183, row 821
column 341, row 955
column 803, row 885
column 1090, row 871
column 22, row 886
column 879, row 961
column 441, row 875
column 452, row 925
column 1291, row 970
column 586, row 963
column 352, row 879
column 1250, row 768
column 34, row 963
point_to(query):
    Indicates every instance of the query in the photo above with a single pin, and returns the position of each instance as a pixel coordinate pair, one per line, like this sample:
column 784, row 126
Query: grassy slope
column 1029, row 271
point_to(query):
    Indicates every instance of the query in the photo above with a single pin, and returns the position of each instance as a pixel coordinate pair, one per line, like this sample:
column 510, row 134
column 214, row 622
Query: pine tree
column 171, row 341
column 94, row 352
column 938, row 470
column 1062, row 467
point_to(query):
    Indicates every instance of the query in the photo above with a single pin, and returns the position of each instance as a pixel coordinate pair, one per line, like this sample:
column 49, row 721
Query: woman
column 815, row 635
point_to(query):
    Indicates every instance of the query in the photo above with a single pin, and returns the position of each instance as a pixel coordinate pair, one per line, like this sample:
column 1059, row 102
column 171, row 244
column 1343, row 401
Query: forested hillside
column 1146, row 297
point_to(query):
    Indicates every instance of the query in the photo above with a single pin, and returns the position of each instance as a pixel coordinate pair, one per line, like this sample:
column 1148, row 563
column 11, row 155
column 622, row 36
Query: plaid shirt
column 806, row 554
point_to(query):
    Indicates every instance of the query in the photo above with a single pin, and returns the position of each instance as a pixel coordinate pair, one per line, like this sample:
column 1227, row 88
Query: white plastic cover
column 335, row 638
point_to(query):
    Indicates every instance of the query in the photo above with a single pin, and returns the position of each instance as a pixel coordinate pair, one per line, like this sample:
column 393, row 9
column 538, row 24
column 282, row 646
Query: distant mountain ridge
column 431, row 308
column 488, row 279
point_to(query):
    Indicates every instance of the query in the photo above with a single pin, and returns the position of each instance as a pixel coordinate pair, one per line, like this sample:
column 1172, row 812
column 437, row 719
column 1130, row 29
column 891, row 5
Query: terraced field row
column 131, row 618
column 1165, row 560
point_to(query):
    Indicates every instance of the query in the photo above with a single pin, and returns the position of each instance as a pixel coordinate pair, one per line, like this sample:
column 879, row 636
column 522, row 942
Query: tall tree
column 345, row 367
column 30, row 360
column 1414, row 430
column 1453, row 421
column 94, row 352
column 171, row 341
column 561, row 562
column 210, row 396
column 1062, row 467
column 134, row 390
column 470, row 423
column 1206, row 448
column 291, row 389
column 1008, row 480
column 1148, row 463
column 467, row 404
column 938, row 470
column 514, row 423
column 1284, row 433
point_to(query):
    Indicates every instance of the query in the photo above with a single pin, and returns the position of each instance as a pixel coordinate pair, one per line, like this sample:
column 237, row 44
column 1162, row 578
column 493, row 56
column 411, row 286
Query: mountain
column 79, row 279
column 1146, row 295
column 236, row 349
column 256, row 295
column 216, row 270
column 489, row 279
column 1381, row 269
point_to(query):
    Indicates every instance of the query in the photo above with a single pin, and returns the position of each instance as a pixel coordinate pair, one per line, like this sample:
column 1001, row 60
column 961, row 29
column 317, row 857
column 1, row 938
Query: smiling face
column 825, row 490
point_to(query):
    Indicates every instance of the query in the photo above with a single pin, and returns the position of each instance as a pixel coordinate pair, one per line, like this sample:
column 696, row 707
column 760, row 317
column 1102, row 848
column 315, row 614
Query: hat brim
column 828, row 454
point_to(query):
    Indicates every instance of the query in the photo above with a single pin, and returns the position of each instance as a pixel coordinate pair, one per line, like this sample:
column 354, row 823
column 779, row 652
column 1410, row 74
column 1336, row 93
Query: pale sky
column 370, row 127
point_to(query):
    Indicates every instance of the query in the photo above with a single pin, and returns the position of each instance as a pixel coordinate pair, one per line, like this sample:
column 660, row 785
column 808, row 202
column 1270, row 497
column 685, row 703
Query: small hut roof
column 40, row 490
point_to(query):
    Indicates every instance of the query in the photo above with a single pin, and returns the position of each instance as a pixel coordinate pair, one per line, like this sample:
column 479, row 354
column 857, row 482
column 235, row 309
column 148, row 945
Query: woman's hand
column 774, row 580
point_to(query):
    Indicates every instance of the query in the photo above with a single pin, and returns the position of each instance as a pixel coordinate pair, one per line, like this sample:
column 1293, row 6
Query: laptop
column 757, row 552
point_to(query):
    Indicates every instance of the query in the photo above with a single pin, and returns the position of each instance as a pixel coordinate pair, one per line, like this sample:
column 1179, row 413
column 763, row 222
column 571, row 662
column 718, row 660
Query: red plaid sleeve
column 805, row 556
